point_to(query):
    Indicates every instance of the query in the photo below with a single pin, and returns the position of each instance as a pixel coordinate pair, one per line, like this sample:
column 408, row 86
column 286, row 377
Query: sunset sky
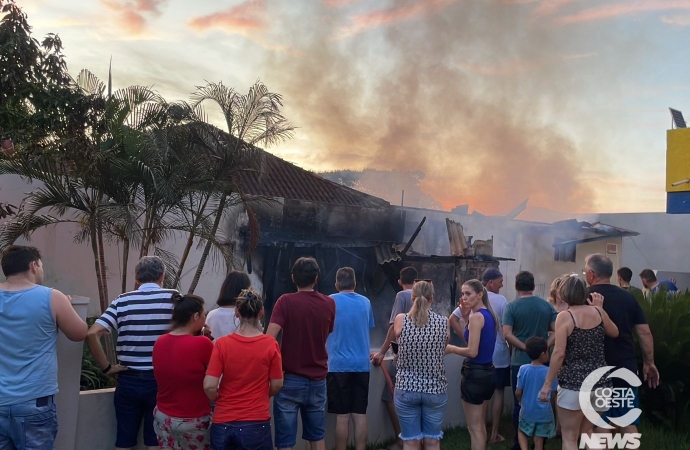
column 564, row 102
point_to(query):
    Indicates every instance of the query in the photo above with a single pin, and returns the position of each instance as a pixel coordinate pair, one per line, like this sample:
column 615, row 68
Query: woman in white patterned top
column 421, row 385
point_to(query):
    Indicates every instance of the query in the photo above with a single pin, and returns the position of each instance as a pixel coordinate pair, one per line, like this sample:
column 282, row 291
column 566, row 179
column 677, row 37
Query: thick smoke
column 466, row 92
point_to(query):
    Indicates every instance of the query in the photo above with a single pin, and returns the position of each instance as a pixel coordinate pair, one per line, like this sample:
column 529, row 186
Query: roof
column 590, row 232
column 279, row 178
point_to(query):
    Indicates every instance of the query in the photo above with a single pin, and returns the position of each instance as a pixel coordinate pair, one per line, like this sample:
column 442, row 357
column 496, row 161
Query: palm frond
column 171, row 267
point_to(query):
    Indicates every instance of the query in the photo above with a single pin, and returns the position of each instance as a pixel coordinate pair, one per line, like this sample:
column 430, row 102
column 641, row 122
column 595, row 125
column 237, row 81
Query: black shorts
column 348, row 392
column 477, row 383
column 502, row 377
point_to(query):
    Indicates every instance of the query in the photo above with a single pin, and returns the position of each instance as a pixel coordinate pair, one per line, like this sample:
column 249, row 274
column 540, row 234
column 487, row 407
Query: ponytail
column 249, row 307
column 422, row 294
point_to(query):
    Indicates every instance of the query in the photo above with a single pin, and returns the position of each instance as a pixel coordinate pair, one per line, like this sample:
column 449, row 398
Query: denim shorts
column 135, row 399
column 30, row 425
column 421, row 415
column 306, row 397
column 241, row 436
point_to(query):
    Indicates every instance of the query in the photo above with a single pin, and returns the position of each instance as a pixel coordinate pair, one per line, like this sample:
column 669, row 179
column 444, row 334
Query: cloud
column 678, row 21
column 133, row 14
column 397, row 13
column 613, row 10
column 241, row 18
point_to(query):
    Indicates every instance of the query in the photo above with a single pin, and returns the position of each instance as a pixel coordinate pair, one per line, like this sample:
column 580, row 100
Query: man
column 492, row 279
column 624, row 277
column 306, row 318
column 348, row 360
column 628, row 316
column 525, row 317
column 139, row 317
column 402, row 305
column 651, row 284
column 30, row 317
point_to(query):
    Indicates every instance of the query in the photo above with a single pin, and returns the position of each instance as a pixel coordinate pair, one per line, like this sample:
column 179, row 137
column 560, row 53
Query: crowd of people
column 203, row 381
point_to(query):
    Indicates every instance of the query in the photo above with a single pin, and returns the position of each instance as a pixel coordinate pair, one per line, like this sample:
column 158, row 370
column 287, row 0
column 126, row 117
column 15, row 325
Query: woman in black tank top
column 579, row 350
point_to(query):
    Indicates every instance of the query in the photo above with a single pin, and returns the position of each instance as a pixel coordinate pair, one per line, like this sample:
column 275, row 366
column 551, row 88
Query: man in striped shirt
column 139, row 317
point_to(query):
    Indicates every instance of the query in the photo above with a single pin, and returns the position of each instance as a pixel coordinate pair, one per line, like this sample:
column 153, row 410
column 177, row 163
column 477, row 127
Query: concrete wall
column 96, row 426
column 69, row 374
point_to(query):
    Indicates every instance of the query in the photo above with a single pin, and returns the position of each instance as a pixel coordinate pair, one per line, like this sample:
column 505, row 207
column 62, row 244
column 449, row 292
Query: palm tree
column 251, row 120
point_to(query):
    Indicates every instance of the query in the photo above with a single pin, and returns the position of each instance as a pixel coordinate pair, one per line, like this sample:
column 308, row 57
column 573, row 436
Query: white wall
column 69, row 267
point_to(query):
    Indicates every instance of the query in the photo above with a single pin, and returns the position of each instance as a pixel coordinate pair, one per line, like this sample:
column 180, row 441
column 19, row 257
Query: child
column 536, row 418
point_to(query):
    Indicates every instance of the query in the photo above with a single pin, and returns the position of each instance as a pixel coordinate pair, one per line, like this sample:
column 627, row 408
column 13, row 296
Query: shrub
column 91, row 375
column 669, row 320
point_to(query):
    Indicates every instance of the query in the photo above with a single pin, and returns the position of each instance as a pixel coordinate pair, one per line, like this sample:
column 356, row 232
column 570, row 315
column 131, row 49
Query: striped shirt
column 139, row 317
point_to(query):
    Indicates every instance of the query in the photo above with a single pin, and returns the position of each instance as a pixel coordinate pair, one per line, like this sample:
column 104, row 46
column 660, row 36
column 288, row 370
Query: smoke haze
column 468, row 96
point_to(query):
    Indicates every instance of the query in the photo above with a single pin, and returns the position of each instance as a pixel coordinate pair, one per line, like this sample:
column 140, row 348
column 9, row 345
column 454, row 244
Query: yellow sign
column 678, row 160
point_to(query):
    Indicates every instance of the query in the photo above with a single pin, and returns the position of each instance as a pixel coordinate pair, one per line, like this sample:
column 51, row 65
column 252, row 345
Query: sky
column 564, row 102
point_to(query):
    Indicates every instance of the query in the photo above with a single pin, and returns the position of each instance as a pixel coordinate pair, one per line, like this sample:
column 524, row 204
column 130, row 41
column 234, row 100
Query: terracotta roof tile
column 279, row 178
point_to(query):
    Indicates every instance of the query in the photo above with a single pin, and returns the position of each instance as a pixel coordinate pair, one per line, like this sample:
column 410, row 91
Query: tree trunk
column 109, row 346
column 101, row 259
column 125, row 259
column 103, row 301
column 190, row 240
column 149, row 231
column 209, row 243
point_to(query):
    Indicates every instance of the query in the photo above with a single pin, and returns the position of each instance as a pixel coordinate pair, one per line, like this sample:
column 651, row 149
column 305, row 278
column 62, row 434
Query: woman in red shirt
column 250, row 370
column 182, row 415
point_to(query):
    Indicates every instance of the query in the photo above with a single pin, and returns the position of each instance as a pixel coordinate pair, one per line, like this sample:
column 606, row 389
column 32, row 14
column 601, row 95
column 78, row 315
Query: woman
column 579, row 351
column 182, row 415
column 554, row 297
column 559, row 305
column 222, row 320
column 250, row 370
column 477, row 383
column 421, row 387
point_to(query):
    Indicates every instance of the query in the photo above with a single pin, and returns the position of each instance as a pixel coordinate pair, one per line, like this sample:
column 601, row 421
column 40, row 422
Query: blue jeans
column 135, row 399
column 241, row 436
column 421, row 415
column 30, row 425
column 304, row 396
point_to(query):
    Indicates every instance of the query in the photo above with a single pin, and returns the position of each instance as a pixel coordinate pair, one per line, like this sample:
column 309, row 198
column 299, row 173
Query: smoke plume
column 467, row 92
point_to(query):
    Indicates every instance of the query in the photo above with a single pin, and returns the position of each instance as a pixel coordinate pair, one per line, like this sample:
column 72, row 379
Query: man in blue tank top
column 30, row 316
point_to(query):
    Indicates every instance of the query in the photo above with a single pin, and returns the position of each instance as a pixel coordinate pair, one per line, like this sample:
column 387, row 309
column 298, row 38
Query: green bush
column 669, row 320
column 91, row 375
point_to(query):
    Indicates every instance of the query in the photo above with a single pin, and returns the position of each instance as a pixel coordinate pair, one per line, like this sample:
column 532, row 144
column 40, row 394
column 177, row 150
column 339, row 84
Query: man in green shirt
column 525, row 317
column 624, row 277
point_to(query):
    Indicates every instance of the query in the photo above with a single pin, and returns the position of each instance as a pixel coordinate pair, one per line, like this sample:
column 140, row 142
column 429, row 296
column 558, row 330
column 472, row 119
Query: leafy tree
column 253, row 119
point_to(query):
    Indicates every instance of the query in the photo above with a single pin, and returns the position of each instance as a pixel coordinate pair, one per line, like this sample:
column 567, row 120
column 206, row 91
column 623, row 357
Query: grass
column 652, row 439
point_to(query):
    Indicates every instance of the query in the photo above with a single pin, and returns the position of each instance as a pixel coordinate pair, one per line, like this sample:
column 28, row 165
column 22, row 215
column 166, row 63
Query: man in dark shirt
column 306, row 318
column 624, row 278
column 628, row 316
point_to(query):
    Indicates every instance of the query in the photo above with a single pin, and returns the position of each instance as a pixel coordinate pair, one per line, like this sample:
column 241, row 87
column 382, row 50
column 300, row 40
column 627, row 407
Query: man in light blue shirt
column 348, row 360
column 30, row 317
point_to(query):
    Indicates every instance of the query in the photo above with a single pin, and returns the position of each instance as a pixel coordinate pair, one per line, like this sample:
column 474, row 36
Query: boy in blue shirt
column 536, row 418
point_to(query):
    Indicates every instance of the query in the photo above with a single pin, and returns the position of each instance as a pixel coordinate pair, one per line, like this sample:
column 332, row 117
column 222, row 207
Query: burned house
column 306, row 215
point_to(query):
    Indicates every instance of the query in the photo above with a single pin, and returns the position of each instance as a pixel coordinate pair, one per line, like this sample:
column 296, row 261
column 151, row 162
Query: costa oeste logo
column 606, row 398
